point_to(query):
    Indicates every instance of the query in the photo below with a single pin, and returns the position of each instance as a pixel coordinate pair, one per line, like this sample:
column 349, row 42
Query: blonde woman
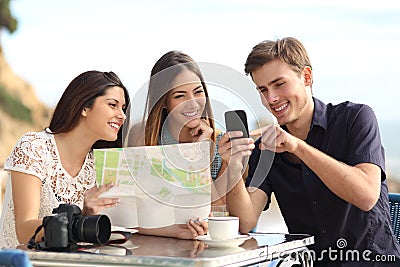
column 178, row 110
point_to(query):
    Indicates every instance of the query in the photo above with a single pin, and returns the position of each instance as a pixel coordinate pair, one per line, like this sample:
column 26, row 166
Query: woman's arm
column 190, row 230
column 26, row 196
column 219, row 187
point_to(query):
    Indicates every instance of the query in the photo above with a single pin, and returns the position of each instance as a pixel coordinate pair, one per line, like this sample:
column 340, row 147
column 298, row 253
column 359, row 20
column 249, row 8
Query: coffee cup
column 223, row 228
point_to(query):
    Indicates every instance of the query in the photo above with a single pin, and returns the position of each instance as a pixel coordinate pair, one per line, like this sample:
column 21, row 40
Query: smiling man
column 328, row 173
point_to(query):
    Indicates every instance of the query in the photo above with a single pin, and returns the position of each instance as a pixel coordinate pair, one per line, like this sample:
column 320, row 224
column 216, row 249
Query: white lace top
column 36, row 154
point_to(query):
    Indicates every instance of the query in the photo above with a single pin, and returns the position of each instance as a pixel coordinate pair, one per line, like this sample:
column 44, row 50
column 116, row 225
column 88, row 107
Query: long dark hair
column 80, row 94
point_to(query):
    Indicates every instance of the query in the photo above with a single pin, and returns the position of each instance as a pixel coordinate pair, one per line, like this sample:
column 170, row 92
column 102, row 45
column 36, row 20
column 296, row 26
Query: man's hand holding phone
column 235, row 144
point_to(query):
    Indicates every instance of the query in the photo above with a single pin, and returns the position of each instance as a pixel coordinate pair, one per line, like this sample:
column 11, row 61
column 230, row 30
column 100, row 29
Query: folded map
column 157, row 185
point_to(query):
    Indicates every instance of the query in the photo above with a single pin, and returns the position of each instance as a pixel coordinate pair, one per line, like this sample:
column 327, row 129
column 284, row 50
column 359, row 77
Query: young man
column 328, row 173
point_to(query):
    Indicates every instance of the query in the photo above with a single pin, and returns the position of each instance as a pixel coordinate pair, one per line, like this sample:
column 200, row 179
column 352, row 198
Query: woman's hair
column 289, row 50
column 162, row 77
column 80, row 94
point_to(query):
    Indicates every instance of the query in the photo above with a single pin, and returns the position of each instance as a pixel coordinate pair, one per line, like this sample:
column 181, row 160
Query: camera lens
column 93, row 229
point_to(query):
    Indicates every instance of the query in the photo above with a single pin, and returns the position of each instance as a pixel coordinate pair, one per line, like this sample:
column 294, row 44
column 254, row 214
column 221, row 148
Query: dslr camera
column 67, row 227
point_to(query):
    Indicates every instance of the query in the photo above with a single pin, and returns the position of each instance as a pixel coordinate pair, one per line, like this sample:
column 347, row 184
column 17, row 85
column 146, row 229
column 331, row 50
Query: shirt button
column 323, row 231
column 306, row 173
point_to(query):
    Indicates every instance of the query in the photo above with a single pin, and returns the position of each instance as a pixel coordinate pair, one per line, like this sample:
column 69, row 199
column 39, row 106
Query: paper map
column 157, row 185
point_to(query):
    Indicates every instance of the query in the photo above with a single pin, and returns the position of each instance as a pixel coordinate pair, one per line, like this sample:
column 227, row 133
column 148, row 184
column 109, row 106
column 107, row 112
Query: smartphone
column 236, row 120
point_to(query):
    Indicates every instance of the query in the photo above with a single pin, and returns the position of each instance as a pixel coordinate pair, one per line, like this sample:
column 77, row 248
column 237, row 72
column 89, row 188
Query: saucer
column 223, row 243
column 120, row 235
column 115, row 228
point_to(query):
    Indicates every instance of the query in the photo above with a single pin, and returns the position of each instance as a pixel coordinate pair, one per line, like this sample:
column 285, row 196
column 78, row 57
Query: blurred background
column 44, row 44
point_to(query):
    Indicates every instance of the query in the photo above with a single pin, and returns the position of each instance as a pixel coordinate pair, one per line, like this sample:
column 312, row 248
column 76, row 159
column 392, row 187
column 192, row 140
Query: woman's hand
column 198, row 247
column 190, row 230
column 92, row 204
column 198, row 227
column 202, row 132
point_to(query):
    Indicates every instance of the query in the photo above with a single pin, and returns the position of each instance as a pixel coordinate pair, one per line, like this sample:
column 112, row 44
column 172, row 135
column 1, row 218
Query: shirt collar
column 319, row 117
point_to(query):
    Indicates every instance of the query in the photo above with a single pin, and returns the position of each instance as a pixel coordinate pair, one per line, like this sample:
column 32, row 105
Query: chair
column 14, row 258
column 394, row 202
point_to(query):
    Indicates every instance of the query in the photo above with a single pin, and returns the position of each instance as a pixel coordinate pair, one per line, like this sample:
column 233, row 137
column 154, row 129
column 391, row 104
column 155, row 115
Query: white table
column 141, row 250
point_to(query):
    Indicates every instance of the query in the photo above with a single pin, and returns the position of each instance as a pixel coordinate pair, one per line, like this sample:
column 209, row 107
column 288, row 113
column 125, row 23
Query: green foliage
column 6, row 19
column 14, row 107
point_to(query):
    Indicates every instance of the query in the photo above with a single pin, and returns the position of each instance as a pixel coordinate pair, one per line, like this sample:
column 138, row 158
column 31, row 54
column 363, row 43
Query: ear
column 307, row 74
column 84, row 112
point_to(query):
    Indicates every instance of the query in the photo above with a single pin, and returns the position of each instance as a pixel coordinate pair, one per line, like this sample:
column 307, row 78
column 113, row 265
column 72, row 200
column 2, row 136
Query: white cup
column 223, row 228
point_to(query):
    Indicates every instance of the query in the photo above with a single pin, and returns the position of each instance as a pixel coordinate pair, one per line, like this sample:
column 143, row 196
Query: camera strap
column 32, row 244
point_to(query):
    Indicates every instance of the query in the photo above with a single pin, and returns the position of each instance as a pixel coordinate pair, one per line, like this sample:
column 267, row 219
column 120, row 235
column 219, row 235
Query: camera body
column 67, row 227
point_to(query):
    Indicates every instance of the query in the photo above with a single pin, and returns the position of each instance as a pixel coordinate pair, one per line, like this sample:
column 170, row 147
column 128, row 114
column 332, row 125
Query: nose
column 121, row 115
column 193, row 101
column 271, row 96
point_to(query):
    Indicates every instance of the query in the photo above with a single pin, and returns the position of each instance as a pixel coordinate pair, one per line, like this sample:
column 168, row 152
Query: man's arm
column 243, row 203
column 247, row 204
column 358, row 185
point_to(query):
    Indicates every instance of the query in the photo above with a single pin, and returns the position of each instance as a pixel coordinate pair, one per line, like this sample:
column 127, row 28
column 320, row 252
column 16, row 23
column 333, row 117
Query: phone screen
column 236, row 120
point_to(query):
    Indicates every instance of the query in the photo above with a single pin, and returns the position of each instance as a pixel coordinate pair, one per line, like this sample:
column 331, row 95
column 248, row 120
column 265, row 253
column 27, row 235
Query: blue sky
column 354, row 48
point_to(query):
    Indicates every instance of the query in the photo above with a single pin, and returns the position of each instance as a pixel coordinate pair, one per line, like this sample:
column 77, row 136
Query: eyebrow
column 270, row 83
column 124, row 105
column 182, row 92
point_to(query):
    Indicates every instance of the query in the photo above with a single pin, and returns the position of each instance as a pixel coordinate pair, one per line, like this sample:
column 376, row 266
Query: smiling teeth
column 114, row 125
column 191, row 114
column 281, row 107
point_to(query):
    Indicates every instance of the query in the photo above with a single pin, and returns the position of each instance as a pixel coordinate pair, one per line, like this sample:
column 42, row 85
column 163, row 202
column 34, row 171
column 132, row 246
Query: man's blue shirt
column 349, row 133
